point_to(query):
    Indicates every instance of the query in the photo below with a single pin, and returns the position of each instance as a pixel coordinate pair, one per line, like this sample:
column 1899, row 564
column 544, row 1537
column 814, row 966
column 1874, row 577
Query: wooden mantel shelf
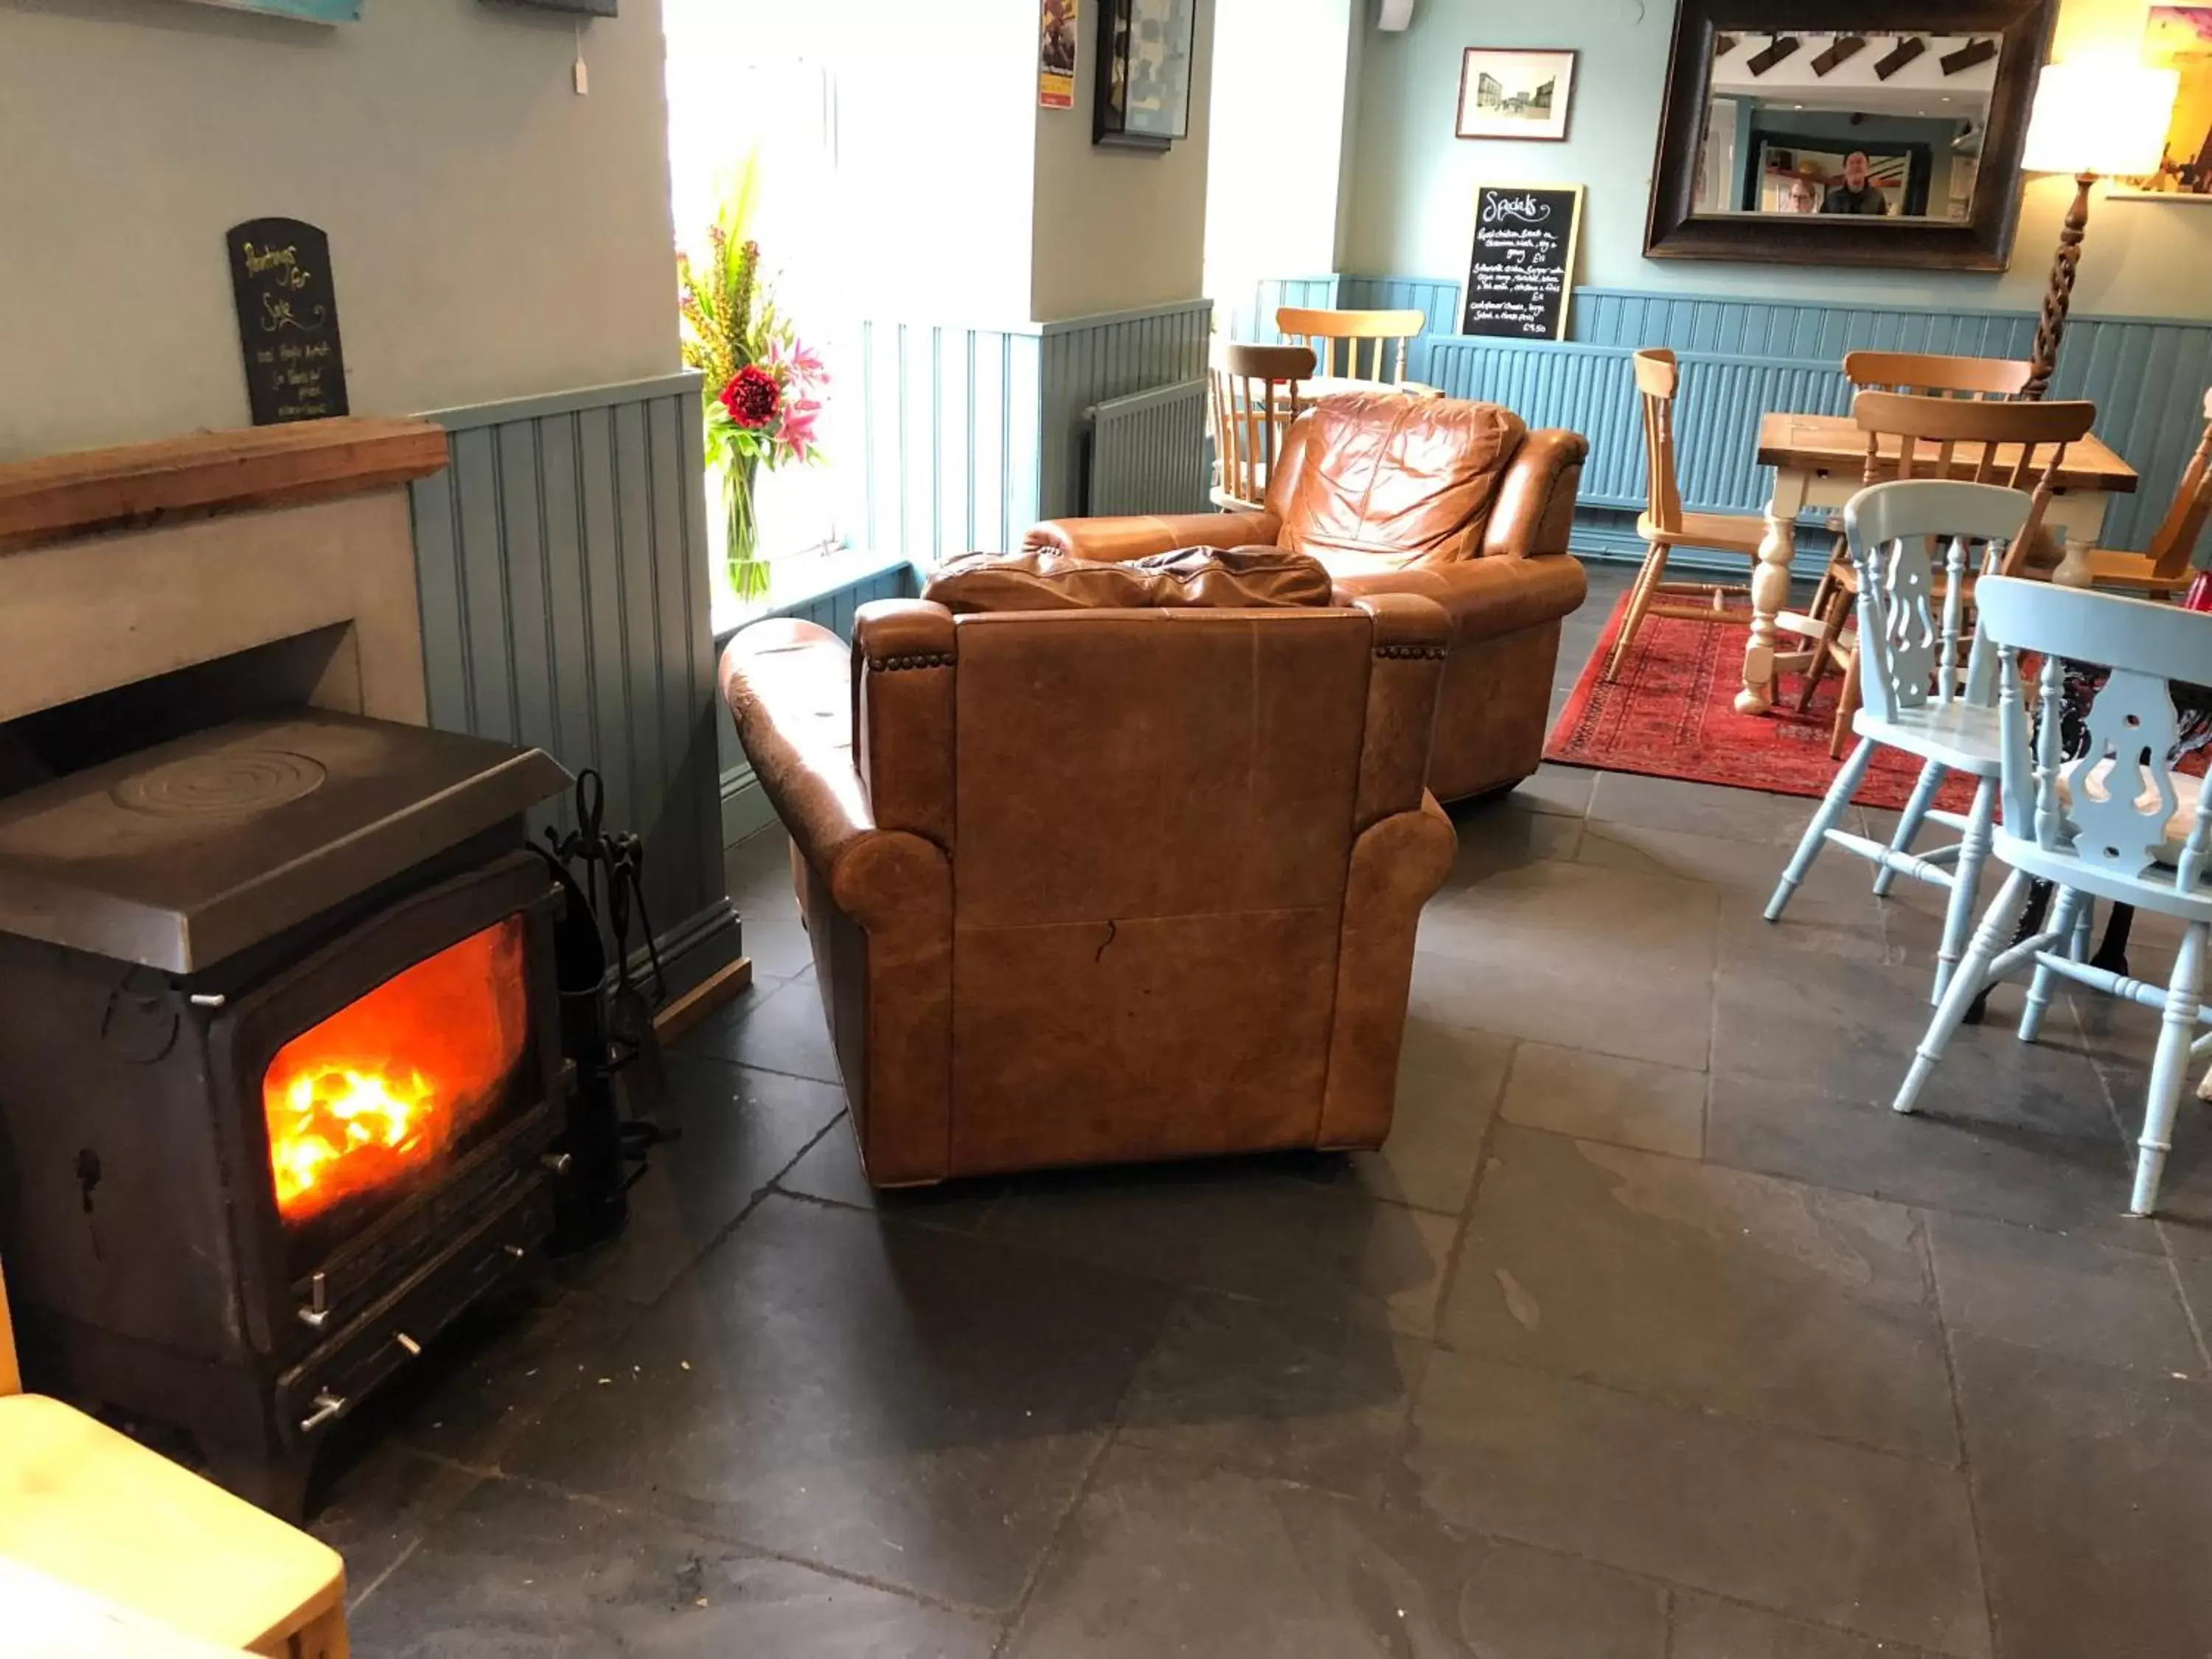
column 58, row 497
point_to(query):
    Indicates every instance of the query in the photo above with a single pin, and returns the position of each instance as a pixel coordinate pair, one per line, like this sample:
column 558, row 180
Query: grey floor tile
column 1625, row 1103
column 1525, row 952
column 782, row 1030
column 895, row 1401
column 2195, row 1273
column 1705, row 1286
column 1850, row 1028
column 1449, row 1082
column 2062, row 1183
column 832, row 1171
column 1564, row 789
column 1504, row 832
column 374, row 1509
column 2094, row 1487
column 1241, row 1226
column 1860, row 1541
column 518, row 1569
column 729, row 1130
column 2065, row 1295
column 1275, row 1392
column 1165, row 1557
column 1704, row 1628
column 1703, row 809
column 759, row 871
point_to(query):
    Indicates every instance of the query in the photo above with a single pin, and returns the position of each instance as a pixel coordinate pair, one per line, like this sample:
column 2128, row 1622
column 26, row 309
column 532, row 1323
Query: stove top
column 182, row 855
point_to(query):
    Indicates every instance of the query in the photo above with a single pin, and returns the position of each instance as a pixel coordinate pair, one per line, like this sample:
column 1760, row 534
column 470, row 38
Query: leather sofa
column 1457, row 502
column 1089, row 885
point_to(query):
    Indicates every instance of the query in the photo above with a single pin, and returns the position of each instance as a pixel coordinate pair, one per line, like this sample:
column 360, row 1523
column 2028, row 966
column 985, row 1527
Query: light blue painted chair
column 2116, row 824
column 1918, row 693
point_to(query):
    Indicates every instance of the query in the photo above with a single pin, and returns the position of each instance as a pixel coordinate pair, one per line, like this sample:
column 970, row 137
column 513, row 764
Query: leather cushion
column 1395, row 478
column 1190, row 578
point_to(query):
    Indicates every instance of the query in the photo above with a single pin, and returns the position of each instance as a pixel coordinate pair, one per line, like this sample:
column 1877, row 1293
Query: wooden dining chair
column 1325, row 331
column 2020, row 446
column 1664, row 525
column 1923, row 375
column 2165, row 567
column 94, row 1510
column 1256, row 398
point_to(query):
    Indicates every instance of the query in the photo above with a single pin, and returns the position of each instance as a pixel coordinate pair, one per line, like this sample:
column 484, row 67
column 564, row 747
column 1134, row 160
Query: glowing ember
column 390, row 1082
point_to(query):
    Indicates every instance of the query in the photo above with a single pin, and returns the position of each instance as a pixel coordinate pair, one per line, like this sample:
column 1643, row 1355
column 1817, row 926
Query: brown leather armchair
column 1092, row 885
column 1458, row 503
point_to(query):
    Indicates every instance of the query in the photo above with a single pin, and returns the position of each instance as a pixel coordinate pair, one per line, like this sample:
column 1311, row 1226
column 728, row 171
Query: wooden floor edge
column 702, row 999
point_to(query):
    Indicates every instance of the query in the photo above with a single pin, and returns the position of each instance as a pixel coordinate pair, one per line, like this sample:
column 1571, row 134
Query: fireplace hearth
column 280, row 1075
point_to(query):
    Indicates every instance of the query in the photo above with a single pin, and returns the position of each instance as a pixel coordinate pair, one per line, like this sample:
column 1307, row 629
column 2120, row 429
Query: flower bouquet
column 762, row 390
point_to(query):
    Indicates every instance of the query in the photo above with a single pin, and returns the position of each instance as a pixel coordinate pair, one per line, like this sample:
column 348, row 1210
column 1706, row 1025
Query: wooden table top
column 1834, row 443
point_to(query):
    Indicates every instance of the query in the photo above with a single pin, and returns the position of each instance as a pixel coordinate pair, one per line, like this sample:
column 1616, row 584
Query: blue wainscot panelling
column 1741, row 357
column 970, row 435
column 561, row 562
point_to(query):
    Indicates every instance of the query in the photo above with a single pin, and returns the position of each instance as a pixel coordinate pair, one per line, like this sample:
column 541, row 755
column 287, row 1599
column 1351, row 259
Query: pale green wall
column 1412, row 182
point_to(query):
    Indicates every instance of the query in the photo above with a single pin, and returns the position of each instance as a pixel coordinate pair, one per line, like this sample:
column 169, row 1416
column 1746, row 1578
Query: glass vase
column 748, row 570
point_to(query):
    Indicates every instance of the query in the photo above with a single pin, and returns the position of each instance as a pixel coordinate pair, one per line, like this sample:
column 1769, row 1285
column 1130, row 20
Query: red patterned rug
column 1672, row 714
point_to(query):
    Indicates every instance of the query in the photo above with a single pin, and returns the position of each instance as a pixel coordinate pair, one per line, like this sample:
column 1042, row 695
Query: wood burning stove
column 280, row 1069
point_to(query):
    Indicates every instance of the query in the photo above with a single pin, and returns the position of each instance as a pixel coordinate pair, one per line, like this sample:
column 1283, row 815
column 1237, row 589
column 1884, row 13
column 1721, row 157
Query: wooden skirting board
column 719, row 988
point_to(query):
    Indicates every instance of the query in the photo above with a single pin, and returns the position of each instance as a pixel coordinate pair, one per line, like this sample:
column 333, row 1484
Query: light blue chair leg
column 1966, row 985
column 2072, row 905
column 1965, row 876
column 2078, row 946
column 1833, row 806
column 2169, row 1071
column 1916, row 811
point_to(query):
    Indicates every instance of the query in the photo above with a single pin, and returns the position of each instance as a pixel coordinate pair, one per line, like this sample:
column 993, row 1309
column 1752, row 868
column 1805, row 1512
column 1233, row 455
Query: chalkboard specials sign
column 1522, row 269
column 287, row 320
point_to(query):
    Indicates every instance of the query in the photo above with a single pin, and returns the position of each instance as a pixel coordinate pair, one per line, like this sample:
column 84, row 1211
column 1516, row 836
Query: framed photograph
column 2180, row 38
column 1144, row 73
column 1512, row 94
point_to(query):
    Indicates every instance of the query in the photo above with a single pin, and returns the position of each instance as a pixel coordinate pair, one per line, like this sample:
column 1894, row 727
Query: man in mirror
column 1857, row 193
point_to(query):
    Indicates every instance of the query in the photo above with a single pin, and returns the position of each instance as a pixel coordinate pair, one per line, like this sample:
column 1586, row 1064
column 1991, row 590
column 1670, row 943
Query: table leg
column 1770, row 591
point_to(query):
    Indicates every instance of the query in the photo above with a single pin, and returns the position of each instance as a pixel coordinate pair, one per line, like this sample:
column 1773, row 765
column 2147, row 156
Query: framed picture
column 1144, row 73
column 2180, row 38
column 1515, row 94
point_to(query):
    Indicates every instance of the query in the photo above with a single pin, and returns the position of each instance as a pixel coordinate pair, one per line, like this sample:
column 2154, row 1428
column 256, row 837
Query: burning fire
column 386, row 1086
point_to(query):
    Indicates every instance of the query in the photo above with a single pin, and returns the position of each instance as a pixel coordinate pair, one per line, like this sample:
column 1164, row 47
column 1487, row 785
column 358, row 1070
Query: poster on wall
column 2180, row 38
column 308, row 11
column 287, row 320
column 1056, row 54
column 1522, row 272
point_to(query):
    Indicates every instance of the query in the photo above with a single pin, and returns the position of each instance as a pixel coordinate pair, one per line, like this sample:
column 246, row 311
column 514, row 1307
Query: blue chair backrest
column 1908, row 641
column 2116, row 821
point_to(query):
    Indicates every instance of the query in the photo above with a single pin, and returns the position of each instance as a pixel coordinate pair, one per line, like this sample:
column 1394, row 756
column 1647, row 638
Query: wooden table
column 1820, row 460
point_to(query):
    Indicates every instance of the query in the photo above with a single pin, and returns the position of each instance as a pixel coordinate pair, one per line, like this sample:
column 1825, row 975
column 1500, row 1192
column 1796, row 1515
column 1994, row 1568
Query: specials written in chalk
column 1522, row 270
column 287, row 320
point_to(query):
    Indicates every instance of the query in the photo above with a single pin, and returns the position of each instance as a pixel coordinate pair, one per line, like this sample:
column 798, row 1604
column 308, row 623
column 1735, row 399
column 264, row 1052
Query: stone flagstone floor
column 1651, row 1335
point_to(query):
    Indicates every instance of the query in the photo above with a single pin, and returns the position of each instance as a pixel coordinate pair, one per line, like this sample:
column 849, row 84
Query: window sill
column 795, row 583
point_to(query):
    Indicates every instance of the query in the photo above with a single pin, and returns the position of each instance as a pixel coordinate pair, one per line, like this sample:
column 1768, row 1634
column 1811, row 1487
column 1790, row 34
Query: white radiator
column 1148, row 452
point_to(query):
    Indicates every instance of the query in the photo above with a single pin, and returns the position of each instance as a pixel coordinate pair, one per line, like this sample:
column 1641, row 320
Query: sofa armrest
column 1534, row 511
column 1483, row 597
column 1410, row 635
column 1141, row 536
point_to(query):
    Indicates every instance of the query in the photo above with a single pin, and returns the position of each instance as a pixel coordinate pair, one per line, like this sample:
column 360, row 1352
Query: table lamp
column 2093, row 117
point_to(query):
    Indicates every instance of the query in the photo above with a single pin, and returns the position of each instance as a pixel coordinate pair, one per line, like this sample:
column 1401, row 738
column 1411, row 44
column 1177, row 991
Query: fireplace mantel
column 60, row 497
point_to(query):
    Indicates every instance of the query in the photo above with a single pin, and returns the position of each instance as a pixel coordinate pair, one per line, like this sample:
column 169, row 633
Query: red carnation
column 752, row 397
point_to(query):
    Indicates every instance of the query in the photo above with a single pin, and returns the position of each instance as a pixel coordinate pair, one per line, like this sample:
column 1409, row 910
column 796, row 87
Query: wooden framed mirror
column 1846, row 132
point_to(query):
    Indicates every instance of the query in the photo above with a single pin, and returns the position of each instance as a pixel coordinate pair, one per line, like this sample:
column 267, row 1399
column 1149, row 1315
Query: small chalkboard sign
column 1522, row 270
column 287, row 320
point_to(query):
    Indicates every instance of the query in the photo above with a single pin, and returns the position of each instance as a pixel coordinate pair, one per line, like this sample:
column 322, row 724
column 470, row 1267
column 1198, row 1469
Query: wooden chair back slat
column 1927, row 375
column 2174, row 544
column 2022, row 445
column 1324, row 330
column 1656, row 377
column 1254, row 396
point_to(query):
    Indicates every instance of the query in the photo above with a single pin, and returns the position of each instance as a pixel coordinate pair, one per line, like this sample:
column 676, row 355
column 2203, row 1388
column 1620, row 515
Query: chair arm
column 1483, row 597
column 1141, row 536
column 788, row 686
column 1535, row 507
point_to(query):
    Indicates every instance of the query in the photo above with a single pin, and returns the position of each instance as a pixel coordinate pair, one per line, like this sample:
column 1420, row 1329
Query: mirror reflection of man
column 1857, row 194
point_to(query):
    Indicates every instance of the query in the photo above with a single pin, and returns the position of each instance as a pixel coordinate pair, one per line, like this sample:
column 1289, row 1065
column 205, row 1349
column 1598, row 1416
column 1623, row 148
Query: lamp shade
column 2107, row 116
